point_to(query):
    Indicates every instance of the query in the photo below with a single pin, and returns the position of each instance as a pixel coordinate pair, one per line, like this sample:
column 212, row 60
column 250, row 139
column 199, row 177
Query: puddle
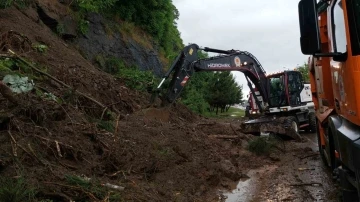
column 246, row 188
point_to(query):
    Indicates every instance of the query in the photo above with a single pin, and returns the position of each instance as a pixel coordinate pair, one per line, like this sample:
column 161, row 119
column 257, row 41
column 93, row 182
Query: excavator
column 329, row 34
column 281, row 106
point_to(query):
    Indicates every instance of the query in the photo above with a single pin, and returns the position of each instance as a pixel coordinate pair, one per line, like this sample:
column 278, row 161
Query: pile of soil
column 60, row 147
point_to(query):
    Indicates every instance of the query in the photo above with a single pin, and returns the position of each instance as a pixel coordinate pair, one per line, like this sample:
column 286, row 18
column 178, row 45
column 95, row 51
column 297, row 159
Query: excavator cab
column 285, row 89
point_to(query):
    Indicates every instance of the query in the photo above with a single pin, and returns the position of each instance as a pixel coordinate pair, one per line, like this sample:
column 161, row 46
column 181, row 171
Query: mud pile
column 97, row 134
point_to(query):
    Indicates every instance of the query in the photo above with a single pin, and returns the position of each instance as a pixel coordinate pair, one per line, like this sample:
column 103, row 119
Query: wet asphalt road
column 299, row 175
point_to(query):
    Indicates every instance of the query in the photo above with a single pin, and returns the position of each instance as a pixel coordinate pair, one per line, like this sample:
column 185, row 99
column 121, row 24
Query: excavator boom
column 187, row 63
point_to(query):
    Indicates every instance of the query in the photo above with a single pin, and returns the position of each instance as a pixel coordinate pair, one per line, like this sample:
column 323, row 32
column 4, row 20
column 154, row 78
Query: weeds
column 83, row 26
column 41, row 48
column 134, row 78
column 106, row 125
column 15, row 190
column 263, row 145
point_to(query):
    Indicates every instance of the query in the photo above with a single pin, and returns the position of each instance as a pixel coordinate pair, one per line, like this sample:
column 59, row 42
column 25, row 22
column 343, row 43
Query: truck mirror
column 309, row 30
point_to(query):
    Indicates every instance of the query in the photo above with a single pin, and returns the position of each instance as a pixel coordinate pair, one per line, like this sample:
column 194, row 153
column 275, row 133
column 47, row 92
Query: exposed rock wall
column 96, row 42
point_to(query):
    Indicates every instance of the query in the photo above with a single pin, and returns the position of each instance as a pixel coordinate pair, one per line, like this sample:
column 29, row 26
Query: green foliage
column 134, row 77
column 60, row 29
column 83, row 26
column 41, row 48
column 223, row 90
column 114, row 65
column 95, row 5
column 193, row 95
column 207, row 89
column 15, row 190
column 304, row 72
column 137, row 79
column 157, row 17
column 7, row 3
column 263, row 145
column 6, row 66
column 106, row 125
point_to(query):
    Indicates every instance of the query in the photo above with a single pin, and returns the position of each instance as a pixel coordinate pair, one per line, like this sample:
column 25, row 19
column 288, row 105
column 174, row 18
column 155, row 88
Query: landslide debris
column 81, row 134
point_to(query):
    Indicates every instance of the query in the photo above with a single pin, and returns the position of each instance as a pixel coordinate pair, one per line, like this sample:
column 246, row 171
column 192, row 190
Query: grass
column 15, row 190
column 231, row 113
column 130, row 30
column 92, row 186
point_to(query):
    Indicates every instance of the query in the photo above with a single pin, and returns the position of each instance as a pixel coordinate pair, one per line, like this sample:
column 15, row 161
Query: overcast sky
column 267, row 29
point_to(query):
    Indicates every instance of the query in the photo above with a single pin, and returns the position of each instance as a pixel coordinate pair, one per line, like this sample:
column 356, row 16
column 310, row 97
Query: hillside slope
column 98, row 131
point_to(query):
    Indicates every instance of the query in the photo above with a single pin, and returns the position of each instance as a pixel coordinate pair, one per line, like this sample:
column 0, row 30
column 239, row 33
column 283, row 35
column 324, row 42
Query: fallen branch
column 306, row 184
column 13, row 143
column 33, row 153
column 117, row 124
column 206, row 124
column 224, row 136
column 307, row 156
column 58, row 148
column 56, row 142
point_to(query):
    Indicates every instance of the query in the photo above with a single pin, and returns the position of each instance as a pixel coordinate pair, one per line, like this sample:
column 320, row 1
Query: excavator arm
column 187, row 62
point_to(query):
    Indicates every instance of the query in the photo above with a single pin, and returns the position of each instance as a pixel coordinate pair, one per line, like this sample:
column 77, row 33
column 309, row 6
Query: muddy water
column 300, row 175
column 246, row 188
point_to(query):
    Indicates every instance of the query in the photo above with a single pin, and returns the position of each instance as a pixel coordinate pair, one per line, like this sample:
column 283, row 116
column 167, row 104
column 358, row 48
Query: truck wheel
column 312, row 122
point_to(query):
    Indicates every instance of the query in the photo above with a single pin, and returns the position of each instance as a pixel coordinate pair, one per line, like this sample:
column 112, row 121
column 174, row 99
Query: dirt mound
column 70, row 147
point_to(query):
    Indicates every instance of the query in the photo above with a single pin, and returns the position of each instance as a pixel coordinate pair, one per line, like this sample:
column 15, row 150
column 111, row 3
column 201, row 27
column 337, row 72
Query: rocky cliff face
column 96, row 42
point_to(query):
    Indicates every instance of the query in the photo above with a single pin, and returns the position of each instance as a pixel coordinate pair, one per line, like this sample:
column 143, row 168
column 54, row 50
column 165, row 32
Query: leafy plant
column 41, row 48
column 137, row 79
column 18, row 84
column 6, row 65
column 83, row 26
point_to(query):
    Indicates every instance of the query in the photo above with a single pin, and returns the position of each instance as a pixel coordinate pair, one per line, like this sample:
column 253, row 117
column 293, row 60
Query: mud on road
column 297, row 175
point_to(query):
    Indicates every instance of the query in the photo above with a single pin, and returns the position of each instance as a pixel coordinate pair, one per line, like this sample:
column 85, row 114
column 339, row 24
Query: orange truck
column 330, row 35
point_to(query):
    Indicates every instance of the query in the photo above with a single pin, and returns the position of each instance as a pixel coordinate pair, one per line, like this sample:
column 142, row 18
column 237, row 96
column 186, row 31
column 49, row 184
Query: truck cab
column 329, row 34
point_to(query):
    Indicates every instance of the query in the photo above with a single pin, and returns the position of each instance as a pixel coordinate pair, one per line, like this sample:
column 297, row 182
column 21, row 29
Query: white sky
column 267, row 29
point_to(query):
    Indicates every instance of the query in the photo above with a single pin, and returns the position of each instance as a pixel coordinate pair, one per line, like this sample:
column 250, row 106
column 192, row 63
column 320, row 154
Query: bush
column 263, row 145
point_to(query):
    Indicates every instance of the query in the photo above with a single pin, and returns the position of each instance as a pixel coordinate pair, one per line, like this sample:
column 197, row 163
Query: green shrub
column 137, row 79
column 263, row 145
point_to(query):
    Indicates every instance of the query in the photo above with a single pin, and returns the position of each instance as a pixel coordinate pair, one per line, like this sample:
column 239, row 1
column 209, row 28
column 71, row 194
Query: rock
column 99, row 44
column 56, row 16
column 273, row 157
column 229, row 170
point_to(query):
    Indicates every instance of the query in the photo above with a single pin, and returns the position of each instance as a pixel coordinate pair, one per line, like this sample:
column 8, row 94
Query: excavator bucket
column 281, row 126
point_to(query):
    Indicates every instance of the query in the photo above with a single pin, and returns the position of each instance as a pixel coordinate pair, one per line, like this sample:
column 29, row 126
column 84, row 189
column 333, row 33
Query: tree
column 304, row 70
column 223, row 92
